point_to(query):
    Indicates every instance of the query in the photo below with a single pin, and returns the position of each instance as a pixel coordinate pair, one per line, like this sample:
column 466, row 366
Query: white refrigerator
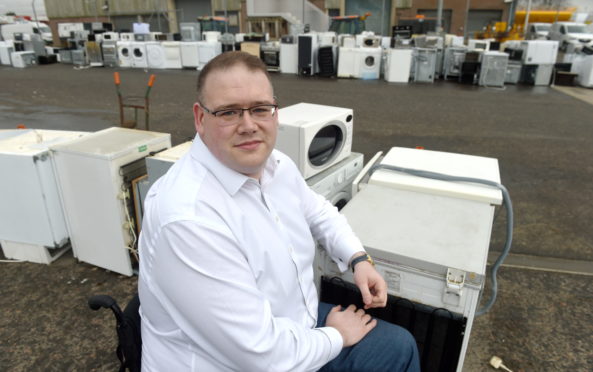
column 32, row 221
column 97, row 176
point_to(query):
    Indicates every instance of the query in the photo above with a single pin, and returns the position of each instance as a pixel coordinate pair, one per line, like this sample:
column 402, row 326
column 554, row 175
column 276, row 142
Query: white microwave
column 314, row 136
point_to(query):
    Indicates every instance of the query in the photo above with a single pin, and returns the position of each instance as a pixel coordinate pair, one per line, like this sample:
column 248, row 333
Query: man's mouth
column 249, row 145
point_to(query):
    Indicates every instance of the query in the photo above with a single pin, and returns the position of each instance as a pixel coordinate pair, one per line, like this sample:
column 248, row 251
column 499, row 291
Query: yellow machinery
column 499, row 32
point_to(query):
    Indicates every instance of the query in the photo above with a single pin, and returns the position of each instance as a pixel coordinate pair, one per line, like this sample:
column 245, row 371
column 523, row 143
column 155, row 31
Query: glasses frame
column 231, row 123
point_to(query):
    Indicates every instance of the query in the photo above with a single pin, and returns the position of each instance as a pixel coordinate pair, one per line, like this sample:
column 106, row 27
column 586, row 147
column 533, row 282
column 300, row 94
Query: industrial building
column 420, row 128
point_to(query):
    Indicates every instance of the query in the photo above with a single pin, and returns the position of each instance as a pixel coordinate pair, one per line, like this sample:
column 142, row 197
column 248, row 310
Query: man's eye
column 228, row 113
column 260, row 110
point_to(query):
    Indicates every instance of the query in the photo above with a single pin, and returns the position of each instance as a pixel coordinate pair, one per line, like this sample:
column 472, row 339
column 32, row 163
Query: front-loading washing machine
column 139, row 59
column 368, row 64
column 124, row 53
column 155, row 53
column 189, row 54
column 172, row 54
column 335, row 183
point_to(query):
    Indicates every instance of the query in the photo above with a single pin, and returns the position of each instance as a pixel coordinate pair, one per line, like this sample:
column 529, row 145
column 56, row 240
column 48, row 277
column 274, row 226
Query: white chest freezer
column 32, row 222
column 429, row 240
column 97, row 175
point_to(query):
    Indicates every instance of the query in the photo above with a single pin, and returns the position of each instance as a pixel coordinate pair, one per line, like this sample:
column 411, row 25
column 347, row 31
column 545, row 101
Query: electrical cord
column 507, row 203
column 130, row 226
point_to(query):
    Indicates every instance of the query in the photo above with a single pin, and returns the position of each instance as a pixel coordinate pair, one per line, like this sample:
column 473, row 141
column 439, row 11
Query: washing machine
column 172, row 54
column 124, row 53
column 368, row 65
column 189, row 54
column 335, row 183
column 206, row 51
column 23, row 59
column 398, row 65
column 314, row 136
column 139, row 59
column 347, row 62
column 155, row 53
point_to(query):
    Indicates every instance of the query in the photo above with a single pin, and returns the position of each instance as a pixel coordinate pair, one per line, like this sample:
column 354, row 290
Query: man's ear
column 198, row 118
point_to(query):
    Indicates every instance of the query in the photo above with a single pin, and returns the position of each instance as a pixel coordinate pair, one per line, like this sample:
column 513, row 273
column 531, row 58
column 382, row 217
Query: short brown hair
column 227, row 60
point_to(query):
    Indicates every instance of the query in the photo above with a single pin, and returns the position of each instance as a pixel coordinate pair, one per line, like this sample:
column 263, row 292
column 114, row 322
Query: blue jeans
column 387, row 347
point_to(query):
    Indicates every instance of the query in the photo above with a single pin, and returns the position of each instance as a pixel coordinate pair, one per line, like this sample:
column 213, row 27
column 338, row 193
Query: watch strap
column 364, row 257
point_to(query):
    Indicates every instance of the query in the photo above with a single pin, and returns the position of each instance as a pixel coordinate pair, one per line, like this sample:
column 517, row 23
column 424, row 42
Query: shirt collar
column 230, row 179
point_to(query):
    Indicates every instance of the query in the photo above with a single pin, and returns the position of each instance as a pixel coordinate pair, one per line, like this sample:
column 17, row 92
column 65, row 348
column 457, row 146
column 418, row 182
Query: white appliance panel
column 289, row 54
column 155, row 53
column 190, row 57
column 92, row 189
column 172, row 54
column 347, row 62
column 31, row 206
column 399, row 63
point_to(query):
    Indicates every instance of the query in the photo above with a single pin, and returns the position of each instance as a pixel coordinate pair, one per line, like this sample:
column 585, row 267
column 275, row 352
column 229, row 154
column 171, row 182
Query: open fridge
column 97, row 178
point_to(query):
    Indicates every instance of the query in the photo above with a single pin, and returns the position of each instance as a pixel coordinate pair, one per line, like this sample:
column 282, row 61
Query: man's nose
column 246, row 123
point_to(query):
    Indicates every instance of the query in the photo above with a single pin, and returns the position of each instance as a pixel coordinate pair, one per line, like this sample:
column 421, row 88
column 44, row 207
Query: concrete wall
column 94, row 8
column 189, row 10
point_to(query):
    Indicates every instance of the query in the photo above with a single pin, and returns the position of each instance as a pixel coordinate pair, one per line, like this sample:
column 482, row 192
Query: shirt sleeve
column 204, row 281
column 330, row 228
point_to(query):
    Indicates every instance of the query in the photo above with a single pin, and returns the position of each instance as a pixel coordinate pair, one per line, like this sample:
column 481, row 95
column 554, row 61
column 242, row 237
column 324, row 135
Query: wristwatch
column 364, row 257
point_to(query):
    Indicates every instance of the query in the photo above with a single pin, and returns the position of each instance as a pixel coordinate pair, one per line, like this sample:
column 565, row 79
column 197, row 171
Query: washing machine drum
column 125, row 52
column 326, row 144
column 138, row 53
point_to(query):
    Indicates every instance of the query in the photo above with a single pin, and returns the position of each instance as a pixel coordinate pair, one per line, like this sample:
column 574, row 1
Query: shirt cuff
column 335, row 340
column 348, row 247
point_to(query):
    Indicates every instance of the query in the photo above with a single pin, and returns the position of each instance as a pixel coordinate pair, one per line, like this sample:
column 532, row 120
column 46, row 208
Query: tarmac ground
column 541, row 136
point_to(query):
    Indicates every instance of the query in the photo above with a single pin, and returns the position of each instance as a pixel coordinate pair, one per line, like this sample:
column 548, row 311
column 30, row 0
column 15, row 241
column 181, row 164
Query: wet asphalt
column 541, row 137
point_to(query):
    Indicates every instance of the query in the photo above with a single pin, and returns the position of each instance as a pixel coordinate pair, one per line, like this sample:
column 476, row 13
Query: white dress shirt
column 226, row 274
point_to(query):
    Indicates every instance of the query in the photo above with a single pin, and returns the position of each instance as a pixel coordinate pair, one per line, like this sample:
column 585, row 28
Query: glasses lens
column 233, row 116
column 262, row 112
column 228, row 115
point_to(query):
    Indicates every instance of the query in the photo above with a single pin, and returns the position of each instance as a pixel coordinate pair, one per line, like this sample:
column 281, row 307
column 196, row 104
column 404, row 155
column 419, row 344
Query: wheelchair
column 129, row 348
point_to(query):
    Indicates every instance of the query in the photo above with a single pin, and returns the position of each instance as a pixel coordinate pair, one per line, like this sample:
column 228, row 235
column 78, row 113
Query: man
column 227, row 246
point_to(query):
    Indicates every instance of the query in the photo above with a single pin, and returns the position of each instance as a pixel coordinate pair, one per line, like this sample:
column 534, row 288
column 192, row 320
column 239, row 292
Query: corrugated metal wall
column 94, row 8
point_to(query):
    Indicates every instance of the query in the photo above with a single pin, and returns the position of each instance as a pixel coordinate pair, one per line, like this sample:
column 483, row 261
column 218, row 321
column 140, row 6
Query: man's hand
column 352, row 324
column 371, row 285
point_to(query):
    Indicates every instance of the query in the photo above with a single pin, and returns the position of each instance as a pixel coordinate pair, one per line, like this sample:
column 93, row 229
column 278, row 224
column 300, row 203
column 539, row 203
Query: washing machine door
column 340, row 199
column 156, row 56
column 327, row 143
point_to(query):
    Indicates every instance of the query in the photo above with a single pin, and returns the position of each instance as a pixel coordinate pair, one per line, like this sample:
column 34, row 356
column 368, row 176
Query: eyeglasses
column 232, row 116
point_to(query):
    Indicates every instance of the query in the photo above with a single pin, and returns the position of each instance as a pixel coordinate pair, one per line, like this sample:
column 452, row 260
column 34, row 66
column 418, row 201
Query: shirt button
column 277, row 219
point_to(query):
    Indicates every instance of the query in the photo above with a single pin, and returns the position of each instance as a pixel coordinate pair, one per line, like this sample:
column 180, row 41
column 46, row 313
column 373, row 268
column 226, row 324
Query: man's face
column 245, row 145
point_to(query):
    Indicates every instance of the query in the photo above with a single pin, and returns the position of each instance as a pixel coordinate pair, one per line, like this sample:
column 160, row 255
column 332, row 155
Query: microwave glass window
column 325, row 145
